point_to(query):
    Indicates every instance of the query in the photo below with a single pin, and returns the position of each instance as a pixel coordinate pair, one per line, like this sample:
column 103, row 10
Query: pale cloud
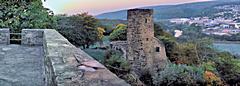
column 100, row 6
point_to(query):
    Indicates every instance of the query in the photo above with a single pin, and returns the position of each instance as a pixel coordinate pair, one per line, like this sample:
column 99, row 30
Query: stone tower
column 144, row 50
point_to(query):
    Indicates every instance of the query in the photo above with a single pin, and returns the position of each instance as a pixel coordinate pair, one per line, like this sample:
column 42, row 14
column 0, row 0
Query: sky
column 95, row 7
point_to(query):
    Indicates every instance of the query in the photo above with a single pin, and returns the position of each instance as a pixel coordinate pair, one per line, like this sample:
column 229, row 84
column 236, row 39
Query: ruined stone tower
column 144, row 50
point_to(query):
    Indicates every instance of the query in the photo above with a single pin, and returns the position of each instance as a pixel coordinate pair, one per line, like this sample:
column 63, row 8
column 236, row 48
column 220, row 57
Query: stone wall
column 4, row 36
column 160, row 60
column 32, row 37
column 120, row 45
column 67, row 65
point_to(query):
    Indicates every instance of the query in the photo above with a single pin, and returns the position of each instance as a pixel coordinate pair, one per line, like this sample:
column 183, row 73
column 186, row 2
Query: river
column 233, row 48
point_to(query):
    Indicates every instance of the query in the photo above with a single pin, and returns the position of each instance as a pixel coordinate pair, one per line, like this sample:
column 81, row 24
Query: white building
column 179, row 20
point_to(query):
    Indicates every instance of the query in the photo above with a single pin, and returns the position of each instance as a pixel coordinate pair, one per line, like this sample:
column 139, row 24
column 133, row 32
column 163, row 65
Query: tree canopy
column 81, row 29
column 119, row 33
column 19, row 14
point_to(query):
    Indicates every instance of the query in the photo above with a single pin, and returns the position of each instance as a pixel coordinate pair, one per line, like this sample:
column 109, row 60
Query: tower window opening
column 146, row 20
column 157, row 49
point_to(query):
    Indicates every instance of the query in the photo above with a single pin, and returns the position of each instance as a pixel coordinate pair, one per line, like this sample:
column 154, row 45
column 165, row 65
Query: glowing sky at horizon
column 95, row 7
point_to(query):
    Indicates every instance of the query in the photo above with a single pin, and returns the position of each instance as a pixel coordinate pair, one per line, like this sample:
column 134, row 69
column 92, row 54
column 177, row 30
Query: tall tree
column 19, row 14
column 80, row 29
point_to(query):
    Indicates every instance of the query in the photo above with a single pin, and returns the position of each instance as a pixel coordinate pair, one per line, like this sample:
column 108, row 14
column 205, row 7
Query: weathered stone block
column 32, row 37
column 4, row 36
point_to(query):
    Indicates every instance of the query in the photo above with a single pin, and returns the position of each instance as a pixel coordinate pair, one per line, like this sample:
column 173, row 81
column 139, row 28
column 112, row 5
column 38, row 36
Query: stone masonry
column 32, row 37
column 120, row 45
column 4, row 36
column 67, row 65
column 64, row 64
column 144, row 52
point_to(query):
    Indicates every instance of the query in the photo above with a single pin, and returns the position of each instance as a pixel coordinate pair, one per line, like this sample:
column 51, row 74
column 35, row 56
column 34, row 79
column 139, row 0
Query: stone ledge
column 63, row 60
column 4, row 36
column 32, row 37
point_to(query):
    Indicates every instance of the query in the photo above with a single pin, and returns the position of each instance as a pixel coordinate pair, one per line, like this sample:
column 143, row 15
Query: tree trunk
column 88, row 46
column 101, row 43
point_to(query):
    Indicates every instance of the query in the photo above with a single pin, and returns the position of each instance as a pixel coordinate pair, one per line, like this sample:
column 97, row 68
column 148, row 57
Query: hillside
column 175, row 11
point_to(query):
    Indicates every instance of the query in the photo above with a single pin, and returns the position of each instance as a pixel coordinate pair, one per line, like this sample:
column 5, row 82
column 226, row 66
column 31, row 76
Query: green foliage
column 189, row 52
column 209, row 66
column 110, row 25
column 119, row 33
column 228, row 67
column 168, row 39
column 80, row 29
column 115, row 62
column 159, row 31
column 25, row 14
column 179, row 75
column 185, row 53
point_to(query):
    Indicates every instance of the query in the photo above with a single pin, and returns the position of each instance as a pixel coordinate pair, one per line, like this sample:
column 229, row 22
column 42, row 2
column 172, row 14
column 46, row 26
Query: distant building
column 236, row 25
column 178, row 33
column 179, row 20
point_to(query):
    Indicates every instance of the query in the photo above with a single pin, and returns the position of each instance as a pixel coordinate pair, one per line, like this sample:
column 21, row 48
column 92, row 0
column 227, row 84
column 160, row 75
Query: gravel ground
column 21, row 65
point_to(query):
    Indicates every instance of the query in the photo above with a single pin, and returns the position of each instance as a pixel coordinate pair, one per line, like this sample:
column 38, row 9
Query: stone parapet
column 32, row 37
column 4, row 36
column 67, row 65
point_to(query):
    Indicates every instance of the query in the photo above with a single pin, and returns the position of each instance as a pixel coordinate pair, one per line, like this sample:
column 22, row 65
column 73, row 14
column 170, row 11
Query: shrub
column 179, row 75
column 114, row 60
column 228, row 67
column 212, row 79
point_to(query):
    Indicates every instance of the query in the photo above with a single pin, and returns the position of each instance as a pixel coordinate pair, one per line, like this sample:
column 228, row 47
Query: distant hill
column 175, row 11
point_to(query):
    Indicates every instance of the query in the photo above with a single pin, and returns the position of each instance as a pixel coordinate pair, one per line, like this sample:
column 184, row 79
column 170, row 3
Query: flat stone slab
column 21, row 65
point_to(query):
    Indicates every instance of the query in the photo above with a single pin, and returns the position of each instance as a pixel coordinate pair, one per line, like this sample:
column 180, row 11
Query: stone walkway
column 21, row 65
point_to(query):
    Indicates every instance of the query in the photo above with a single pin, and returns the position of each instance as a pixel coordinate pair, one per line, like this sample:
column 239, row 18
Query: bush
column 113, row 59
column 181, row 75
column 185, row 53
column 228, row 67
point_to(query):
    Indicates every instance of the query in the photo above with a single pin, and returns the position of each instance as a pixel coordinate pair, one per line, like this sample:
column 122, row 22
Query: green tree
column 19, row 14
column 119, row 33
column 80, row 29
